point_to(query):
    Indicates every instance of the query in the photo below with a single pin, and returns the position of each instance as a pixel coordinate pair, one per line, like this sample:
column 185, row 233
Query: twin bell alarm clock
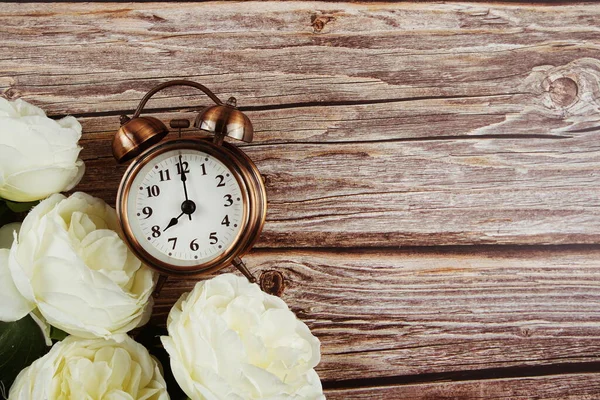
column 189, row 206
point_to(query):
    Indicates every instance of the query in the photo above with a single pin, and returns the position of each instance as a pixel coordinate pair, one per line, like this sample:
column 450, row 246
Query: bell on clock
column 189, row 206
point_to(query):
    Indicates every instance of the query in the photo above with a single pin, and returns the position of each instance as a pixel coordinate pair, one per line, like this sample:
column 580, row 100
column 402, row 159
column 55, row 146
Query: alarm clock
column 189, row 206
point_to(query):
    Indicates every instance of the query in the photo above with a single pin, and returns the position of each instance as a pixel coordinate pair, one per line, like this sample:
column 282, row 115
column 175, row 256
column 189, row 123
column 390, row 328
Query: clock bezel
column 253, row 196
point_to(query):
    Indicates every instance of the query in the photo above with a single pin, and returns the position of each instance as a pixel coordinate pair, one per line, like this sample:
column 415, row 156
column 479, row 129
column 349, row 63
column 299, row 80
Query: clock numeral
column 229, row 200
column 194, row 246
column 153, row 191
column 156, row 231
column 174, row 240
column 182, row 167
column 203, row 169
column 147, row 211
column 225, row 221
column 164, row 175
column 221, row 179
column 213, row 238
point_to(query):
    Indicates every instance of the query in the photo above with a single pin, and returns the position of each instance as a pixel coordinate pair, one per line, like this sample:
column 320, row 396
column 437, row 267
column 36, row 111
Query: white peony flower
column 38, row 155
column 229, row 340
column 70, row 263
column 92, row 369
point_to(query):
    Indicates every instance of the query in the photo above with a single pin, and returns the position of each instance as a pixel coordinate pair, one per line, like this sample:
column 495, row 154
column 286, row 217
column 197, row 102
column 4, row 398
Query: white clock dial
column 185, row 207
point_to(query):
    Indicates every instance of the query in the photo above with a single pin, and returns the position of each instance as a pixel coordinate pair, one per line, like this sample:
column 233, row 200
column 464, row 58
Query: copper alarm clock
column 189, row 206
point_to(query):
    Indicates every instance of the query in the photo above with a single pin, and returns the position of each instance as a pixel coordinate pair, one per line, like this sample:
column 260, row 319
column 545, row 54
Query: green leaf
column 21, row 343
column 149, row 336
column 11, row 211
column 57, row 334
column 5, row 214
column 21, row 207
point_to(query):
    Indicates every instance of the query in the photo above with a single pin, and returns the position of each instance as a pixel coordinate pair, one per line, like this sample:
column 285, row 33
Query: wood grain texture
column 566, row 387
column 98, row 57
column 466, row 124
column 412, row 312
column 425, row 192
column 378, row 126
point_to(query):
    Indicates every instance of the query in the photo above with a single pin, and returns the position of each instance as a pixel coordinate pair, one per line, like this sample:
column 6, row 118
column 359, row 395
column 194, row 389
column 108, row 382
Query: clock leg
column 239, row 264
column 159, row 285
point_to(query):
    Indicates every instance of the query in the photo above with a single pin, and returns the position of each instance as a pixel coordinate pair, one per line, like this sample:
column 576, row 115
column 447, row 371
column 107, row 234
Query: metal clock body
column 189, row 206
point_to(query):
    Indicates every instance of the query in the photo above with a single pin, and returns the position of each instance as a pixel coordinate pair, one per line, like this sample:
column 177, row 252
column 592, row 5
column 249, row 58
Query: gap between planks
column 470, row 375
column 583, row 386
column 285, row 106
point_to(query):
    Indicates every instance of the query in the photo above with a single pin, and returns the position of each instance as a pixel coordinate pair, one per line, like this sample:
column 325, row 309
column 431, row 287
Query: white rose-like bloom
column 92, row 369
column 229, row 340
column 38, row 155
column 70, row 263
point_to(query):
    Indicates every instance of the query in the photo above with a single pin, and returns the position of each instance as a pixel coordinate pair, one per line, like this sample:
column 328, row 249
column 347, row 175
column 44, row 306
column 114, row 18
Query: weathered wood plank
column 461, row 123
column 404, row 313
column 377, row 125
column 456, row 190
column 561, row 387
column 77, row 58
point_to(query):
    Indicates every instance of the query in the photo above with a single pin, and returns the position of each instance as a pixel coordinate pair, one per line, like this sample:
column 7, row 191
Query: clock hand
column 184, row 179
column 173, row 221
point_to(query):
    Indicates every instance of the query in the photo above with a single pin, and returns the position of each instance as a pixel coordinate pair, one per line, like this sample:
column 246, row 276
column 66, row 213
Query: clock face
column 185, row 207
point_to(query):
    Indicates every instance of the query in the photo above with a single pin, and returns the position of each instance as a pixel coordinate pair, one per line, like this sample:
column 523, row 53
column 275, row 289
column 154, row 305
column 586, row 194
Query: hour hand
column 173, row 222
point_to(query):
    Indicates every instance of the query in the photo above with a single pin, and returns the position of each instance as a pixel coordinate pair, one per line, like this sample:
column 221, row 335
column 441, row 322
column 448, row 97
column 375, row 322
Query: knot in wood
column 265, row 179
column 272, row 282
column 526, row 331
column 318, row 22
column 11, row 94
column 563, row 91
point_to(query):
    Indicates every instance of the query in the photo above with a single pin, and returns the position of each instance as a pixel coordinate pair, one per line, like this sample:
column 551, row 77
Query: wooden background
column 433, row 170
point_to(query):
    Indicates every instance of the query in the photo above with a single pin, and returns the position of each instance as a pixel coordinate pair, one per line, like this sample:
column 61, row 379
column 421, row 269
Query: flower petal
column 14, row 305
column 78, row 368
column 229, row 340
column 79, row 272
column 38, row 155
column 38, row 183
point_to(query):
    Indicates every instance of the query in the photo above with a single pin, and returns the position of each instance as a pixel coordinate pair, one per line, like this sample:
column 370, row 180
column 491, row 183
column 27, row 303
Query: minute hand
column 183, row 180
